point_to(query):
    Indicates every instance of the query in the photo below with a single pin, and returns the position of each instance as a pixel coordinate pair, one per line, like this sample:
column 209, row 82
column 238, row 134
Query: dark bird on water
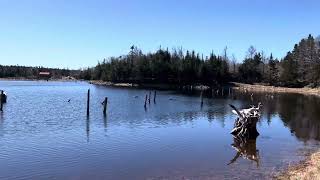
column 69, row 100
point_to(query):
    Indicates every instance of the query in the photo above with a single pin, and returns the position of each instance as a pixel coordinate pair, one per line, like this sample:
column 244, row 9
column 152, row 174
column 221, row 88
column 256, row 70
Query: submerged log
column 245, row 126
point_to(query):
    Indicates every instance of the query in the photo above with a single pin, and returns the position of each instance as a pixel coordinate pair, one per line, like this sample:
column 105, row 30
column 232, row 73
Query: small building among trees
column 44, row 75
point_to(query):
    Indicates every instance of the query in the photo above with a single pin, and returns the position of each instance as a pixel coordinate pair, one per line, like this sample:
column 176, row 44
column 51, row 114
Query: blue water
column 43, row 136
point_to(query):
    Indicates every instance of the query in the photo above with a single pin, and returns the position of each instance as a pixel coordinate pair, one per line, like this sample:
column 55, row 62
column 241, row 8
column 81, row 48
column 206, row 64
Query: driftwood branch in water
column 236, row 110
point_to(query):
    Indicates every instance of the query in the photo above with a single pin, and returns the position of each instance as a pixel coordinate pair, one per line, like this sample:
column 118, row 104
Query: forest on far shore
column 27, row 72
column 299, row 68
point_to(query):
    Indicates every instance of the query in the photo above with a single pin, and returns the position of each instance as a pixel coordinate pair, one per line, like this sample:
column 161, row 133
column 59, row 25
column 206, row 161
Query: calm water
column 42, row 136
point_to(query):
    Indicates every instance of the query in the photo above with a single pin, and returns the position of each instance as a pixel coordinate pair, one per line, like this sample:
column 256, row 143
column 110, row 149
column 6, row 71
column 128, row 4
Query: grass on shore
column 306, row 170
column 273, row 89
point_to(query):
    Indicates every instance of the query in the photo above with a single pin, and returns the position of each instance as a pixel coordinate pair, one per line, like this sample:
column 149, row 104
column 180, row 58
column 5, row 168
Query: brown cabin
column 44, row 75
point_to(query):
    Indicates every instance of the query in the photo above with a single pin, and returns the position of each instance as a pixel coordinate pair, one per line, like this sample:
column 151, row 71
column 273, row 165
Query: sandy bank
column 307, row 170
column 107, row 83
column 273, row 89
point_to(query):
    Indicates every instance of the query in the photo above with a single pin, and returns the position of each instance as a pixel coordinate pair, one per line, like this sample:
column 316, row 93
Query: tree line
column 300, row 67
column 33, row 72
column 162, row 66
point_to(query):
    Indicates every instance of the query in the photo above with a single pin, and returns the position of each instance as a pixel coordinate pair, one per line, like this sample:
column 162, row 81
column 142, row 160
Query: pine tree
column 273, row 71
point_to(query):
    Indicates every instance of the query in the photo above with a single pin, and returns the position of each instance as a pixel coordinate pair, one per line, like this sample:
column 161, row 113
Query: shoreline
column 34, row 79
column 233, row 85
column 308, row 169
column 273, row 89
column 144, row 85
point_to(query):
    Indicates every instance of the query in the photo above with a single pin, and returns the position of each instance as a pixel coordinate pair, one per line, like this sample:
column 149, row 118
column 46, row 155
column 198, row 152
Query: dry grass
column 262, row 88
column 103, row 83
column 307, row 170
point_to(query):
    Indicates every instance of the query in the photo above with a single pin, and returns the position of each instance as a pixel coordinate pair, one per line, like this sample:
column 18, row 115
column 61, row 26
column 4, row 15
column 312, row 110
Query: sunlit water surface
column 43, row 136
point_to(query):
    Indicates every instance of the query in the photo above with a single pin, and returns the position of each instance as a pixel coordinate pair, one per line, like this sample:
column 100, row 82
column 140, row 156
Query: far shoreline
column 252, row 88
column 35, row 79
column 273, row 89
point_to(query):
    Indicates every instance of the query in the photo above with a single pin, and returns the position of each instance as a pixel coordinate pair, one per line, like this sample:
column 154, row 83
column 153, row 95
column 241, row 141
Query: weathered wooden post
column 105, row 105
column 88, row 102
column 154, row 96
column 145, row 101
column 201, row 98
column 1, row 100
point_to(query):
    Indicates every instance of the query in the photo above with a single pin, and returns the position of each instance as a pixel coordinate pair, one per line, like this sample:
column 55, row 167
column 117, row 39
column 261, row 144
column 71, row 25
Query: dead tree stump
column 245, row 126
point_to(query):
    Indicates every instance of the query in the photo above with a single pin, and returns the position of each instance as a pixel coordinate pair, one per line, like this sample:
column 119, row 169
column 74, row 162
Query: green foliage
column 301, row 67
column 162, row 66
column 33, row 72
column 273, row 71
column 249, row 71
column 289, row 75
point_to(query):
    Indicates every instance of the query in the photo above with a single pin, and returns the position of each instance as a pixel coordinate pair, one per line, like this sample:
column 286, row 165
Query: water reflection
column 39, row 129
column 298, row 112
column 88, row 128
column 105, row 117
column 245, row 148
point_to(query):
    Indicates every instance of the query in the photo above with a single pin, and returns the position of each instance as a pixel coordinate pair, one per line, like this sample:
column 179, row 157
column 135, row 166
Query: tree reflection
column 300, row 113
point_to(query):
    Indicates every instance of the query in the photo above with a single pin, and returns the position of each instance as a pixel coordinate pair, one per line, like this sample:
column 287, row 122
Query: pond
column 46, row 134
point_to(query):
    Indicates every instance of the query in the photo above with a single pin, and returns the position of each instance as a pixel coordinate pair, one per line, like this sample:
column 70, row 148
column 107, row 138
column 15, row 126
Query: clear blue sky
column 78, row 33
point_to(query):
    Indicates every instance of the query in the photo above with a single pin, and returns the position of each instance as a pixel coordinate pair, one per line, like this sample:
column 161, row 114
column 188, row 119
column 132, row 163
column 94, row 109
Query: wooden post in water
column 145, row 101
column 105, row 105
column 201, row 98
column 154, row 96
column 149, row 96
column 88, row 102
column 1, row 100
